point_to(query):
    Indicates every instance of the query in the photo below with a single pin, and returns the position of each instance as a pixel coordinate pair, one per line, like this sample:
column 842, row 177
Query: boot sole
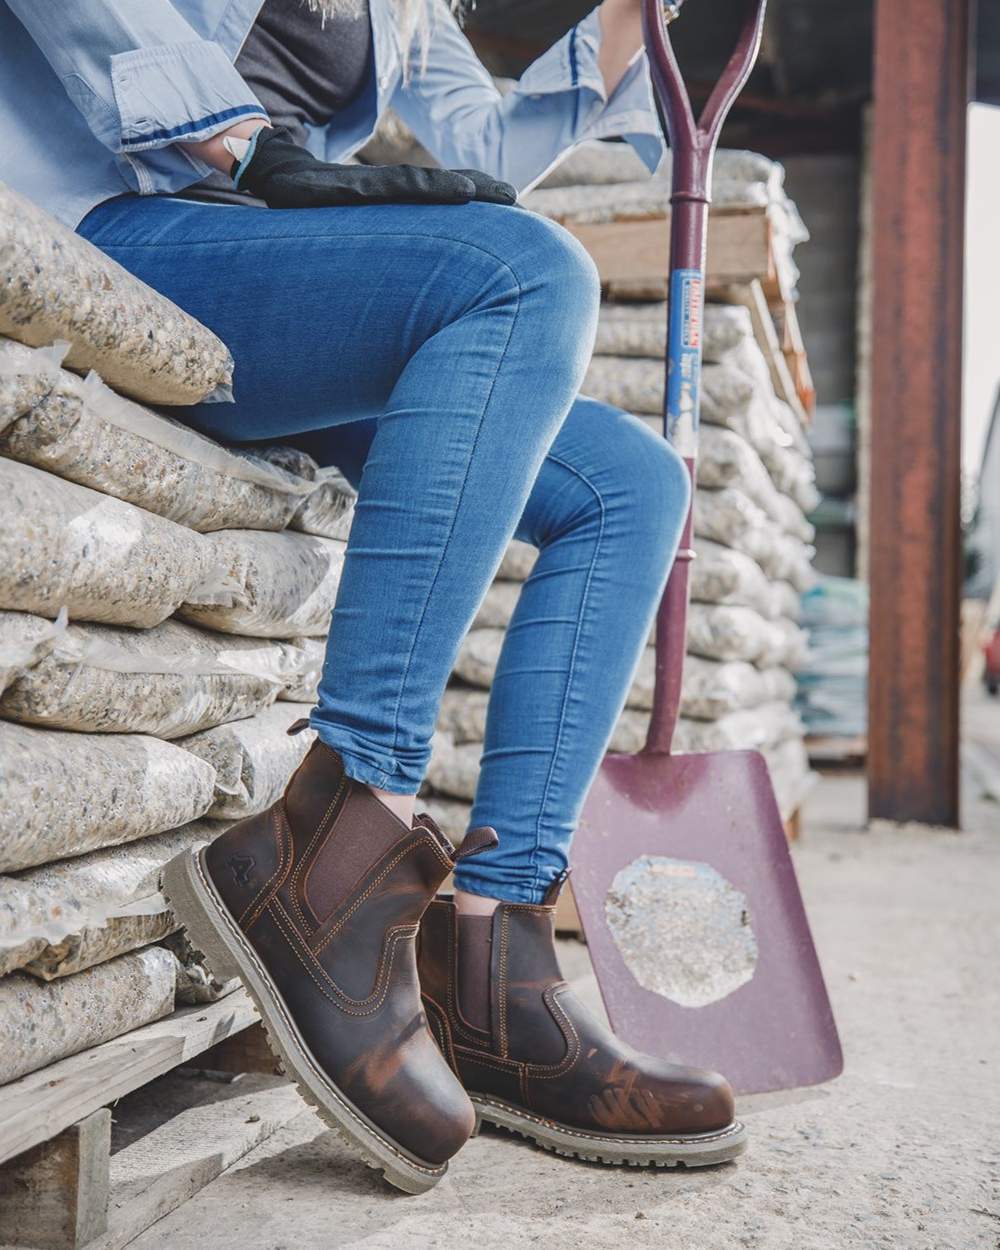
column 685, row 1150
column 214, row 932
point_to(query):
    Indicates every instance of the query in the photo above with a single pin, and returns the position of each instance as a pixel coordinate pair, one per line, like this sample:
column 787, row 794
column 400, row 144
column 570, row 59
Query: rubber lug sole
column 691, row 1150
column 213, row 931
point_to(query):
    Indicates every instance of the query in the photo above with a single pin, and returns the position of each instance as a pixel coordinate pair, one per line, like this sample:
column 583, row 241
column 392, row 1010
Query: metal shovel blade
column 692, row 912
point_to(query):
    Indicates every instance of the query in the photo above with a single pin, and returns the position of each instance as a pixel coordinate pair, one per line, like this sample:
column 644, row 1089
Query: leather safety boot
column 315, row 905
column 534, row 1061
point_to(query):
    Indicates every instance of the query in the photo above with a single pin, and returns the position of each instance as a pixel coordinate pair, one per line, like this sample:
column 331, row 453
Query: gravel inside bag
column 170, row 680
column 66, row 546
column 56, row 285
column 65, row 794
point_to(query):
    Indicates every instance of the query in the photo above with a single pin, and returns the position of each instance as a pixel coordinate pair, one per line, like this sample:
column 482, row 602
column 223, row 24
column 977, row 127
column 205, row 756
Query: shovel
column 681, row 869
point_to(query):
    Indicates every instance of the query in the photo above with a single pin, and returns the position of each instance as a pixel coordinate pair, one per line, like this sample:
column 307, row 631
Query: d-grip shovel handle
column 692, row 148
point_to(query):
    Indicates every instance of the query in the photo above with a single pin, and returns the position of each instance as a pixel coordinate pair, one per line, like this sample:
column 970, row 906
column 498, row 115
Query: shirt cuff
column 179, row 92
column 629, row 113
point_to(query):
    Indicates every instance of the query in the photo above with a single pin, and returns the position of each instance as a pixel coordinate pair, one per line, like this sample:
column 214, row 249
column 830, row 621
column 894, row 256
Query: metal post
column 922, row 89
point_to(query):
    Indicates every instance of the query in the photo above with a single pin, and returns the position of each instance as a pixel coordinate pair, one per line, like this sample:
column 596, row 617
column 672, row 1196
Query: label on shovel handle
column 684, row 360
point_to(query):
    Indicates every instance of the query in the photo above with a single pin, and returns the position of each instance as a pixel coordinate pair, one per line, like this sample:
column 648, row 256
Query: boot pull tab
column 476, row 841
column 300, row 724
column 555, row 889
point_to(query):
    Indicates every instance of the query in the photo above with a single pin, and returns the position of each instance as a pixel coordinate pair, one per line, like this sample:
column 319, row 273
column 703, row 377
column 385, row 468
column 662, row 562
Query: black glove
column 284, row 175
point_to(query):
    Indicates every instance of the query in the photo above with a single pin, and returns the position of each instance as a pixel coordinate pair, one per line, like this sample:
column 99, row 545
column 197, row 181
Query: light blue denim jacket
column 95, row 94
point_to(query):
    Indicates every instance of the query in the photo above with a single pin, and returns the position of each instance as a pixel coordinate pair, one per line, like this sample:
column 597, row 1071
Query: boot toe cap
column 706, row 1102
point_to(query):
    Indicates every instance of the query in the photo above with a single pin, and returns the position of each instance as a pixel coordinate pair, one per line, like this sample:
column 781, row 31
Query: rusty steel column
column 922, row 89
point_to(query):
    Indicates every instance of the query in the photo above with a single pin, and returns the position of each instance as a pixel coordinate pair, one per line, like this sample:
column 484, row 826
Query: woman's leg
column 463, row 332
column 606, row 512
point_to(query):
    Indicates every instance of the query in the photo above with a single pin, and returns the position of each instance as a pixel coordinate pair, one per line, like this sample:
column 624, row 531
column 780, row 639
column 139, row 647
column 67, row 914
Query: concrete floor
column 902, row 1151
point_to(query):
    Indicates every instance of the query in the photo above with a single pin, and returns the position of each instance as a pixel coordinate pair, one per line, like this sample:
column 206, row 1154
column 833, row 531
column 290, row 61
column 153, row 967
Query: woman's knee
column 651, row 488
column 552, row 266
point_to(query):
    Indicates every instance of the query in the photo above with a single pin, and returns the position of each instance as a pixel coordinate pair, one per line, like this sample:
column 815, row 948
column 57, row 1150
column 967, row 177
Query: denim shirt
column 95, row 96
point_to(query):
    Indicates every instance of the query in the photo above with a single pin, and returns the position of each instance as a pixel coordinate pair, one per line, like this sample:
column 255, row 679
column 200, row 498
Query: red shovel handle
column 692, row 147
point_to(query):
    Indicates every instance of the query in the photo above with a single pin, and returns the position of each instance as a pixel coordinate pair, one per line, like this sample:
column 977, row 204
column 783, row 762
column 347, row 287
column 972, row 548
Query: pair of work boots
column 406, row 1024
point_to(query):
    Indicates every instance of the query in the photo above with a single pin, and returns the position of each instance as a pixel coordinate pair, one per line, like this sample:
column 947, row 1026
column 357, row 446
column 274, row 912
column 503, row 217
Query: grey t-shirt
column 303, row 66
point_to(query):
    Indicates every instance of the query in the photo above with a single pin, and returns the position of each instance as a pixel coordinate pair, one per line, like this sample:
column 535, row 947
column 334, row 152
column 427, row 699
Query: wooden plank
column 166, row 1167
column 246, row 1051
column 751, row 295
column 633, row 254
column 43, row 1103
column 55, row 1196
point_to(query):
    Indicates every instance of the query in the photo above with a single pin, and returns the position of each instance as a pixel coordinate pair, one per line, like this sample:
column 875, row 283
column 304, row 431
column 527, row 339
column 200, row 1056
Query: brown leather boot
column 315, row 905
column 535, row 1062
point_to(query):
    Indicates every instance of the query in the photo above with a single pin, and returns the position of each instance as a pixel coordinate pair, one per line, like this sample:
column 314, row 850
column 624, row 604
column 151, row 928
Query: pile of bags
column 833, row 680
column 163, row 606
column 755, row 488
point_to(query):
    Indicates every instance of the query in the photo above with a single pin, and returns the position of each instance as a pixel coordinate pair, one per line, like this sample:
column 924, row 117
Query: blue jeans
column 435, row 355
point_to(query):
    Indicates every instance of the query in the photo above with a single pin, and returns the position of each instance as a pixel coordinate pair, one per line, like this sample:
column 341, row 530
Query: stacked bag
column 755, row 487
column 163, row 605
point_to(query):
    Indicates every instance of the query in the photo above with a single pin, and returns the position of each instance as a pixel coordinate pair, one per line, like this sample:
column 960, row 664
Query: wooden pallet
column 632, row 255
column 837, row 750
column 56, row 1178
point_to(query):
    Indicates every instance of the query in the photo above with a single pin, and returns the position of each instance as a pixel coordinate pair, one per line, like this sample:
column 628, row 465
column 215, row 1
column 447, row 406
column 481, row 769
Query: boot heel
column 191, row 903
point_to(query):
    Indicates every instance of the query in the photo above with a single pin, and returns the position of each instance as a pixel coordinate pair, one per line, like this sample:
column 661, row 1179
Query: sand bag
column 65, row 546
column 518, row 561
column 253, row 759
column 304, row 687
column 742, row 730
column 41, row 1022
column 723, row 575
column 791, row 776
column 328, row 509
column 714, row 688
column 66, row 904
column 66, row 794
column 170, row 680
column 83, row 431
column 594, row 163
column 730, row 632
column 641, row 330
column 56, row 285
column 27, row 374
column 285, row 584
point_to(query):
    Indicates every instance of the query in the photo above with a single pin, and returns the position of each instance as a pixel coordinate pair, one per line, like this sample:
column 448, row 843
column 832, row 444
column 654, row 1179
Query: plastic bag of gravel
column 328, row 510
column 52, row 913
column 67, row 794
column 641, row 330
column 749, row 729
column 730, row 632
column 723, row 575
column 730, row 517
column 83, row 431
column 170, row 680
column 253, row 759
column 65, row 546
column 518, row 561
column 285, row 584
column 56, row 285
column 636, row 385
column 41, row 1022
column 27, row 374
column 196, row 982
column 304, row 687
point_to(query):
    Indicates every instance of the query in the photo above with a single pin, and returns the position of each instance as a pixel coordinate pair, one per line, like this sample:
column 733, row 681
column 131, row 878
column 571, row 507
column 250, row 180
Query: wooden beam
column 922, row 88
column 631, row 256
column 55, row 1196
column 42, row 1104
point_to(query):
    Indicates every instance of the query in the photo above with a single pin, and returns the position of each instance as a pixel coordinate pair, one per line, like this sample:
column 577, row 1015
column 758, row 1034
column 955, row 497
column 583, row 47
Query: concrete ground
column 902, row 1151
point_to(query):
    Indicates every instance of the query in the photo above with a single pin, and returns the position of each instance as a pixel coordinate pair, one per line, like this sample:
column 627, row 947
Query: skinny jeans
column 435, row 354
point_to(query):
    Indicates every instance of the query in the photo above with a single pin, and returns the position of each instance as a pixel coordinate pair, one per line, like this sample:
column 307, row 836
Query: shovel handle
column 692, row 148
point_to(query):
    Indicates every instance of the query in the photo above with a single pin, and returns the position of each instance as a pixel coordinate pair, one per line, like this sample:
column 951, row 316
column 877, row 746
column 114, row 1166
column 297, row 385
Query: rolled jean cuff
column 479, row 881
column 385, row 773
